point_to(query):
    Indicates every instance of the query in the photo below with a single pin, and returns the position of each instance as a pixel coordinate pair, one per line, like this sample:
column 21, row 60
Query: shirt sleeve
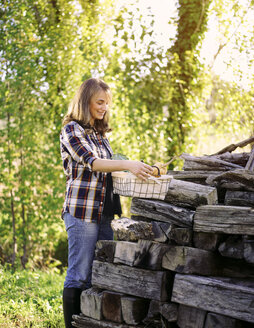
column 78, row 147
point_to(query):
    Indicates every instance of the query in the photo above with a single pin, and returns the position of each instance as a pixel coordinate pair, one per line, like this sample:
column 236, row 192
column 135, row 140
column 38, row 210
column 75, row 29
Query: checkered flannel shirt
column 85, row 189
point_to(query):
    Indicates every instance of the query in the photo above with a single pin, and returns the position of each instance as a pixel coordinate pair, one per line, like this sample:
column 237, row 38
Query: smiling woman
column 90, row 204
column 99, row 106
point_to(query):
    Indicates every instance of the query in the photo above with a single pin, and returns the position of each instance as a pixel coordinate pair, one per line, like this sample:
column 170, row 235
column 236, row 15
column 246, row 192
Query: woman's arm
column 140, row 169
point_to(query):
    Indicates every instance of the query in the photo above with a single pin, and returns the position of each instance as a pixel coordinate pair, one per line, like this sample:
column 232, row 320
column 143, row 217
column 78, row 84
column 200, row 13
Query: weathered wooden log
column 236, row 158
column 161, row 230
column 224, row 219
column 144, row 254
column 240, row 179
column 232, row 247
column 154, row 312
column 167, row 232
column 156, row 308
column 235, row 268
column 232, row 147
column 228, row 297
column 80, row 321
column 207, row 163
column 234, row 185
column 127, row 252
column 190, row 260
column 190, row 317
column 248, row 252
column 207, row 241
column 91, row 303
column 130, row 230
column 181, row 236
column 111, row 306
column 239, row 198
column 250, row 163
column 132, row 281
column 189, row 194
column 134, row 309
column 161, row 211
column 194, row 166
column 152, row 258
column 105, row 250
column 198, row 176
column 169, row 311
column 214, row 320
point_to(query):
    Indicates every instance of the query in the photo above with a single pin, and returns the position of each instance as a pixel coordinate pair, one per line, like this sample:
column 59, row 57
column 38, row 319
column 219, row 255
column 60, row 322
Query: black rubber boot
column 71, row 304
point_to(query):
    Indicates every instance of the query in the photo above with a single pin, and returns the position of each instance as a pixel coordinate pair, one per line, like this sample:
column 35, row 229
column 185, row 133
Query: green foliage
column 163, row 100
column 231, row 108
column 186, row 84
column 140, row 80
column 44, row 57
column 226, row 103
column 227, row 115
column 154, row 88
column 30, row 299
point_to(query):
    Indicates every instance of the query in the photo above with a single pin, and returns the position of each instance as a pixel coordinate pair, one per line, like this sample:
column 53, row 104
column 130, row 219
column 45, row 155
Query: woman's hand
column 140, row 169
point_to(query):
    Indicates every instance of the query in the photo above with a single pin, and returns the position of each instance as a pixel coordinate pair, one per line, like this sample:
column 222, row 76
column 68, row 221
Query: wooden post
column 190, row 317
column 161, row 211
column 239, row 198
column 181, row 236
column 105, row 250
column 144, row 254
column 111, row 306
column 207, row 163
column 207, row 241
column 182, row 193
column 198, row 176
column 130, row 230
column 80, row 321
column 224, row 219
column 184, row 259
column 232, row 247
column 234, row 298
column 134, row 309
column 91, row 303
column 250, row 163
column 132, row 281
column 248, row 251
column 240, row 179
column 221, row 321
column 168, row 310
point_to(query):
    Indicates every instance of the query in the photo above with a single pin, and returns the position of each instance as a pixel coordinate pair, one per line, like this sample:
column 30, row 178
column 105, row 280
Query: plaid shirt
column 85, row 189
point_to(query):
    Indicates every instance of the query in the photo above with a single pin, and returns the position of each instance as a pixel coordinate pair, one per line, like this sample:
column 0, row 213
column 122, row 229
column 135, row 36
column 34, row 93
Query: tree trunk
column 14, row 238
column 21, row 185
column 189, row 34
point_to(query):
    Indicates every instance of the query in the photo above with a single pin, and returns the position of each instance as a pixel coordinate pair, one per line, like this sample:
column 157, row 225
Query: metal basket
column 127, row 184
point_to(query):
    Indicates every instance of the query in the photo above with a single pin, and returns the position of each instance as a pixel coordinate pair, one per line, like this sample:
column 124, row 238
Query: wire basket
column 127, row 184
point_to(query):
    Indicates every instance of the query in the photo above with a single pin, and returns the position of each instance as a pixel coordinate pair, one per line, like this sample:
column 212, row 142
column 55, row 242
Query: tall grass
column 31, row 299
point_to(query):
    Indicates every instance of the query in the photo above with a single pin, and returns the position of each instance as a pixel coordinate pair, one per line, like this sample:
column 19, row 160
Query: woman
column 89, row 205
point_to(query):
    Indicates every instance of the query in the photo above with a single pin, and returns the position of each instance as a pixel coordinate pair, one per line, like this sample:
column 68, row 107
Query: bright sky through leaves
column 230, row 59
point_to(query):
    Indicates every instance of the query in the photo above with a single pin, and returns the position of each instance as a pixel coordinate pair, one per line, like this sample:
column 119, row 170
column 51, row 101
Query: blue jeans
column 82, row 238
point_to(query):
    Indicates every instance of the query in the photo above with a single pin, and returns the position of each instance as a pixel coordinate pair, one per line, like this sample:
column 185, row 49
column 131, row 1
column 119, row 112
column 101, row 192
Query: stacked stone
column 187, row 261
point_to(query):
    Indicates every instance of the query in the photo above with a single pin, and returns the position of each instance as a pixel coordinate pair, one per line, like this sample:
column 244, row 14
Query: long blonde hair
column 79, row 108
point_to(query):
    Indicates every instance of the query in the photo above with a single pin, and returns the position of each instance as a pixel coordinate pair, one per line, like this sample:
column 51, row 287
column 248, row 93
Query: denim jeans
column 82, row 238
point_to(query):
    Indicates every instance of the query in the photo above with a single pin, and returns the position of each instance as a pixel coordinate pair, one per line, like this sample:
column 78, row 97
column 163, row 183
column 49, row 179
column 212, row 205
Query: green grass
column 31, row 299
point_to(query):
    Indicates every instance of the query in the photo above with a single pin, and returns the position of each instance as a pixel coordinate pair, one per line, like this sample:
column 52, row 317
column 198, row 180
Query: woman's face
column 98, row 106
